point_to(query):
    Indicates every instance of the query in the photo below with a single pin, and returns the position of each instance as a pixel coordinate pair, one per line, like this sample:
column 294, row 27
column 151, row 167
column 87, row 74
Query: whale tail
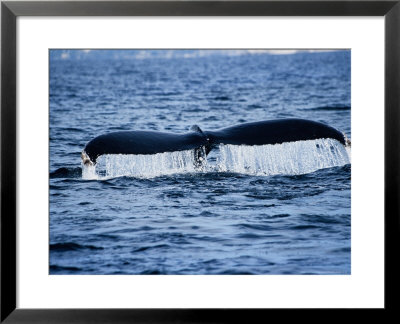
column 273, row 132
column 201, row 142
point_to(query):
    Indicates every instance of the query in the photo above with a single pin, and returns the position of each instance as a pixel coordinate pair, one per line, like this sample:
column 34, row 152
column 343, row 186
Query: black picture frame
column 10, row 10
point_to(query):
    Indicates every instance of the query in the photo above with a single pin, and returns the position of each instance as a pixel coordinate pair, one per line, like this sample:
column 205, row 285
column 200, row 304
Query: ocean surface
column 271, row 209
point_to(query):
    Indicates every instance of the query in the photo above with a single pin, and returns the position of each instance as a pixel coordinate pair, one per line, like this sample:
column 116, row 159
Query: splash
column 288, row 158
column 89, row 172
column 144, row 166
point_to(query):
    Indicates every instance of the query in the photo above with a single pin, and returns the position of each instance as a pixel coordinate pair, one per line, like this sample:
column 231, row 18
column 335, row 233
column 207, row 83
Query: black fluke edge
column 257, row 133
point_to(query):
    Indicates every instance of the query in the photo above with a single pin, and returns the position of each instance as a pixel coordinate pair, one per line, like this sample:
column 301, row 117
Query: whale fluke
column 201, row 142
column 274, row 132
column 142, row 142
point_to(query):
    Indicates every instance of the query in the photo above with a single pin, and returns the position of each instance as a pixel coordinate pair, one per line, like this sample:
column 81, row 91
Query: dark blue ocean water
column 282, row 209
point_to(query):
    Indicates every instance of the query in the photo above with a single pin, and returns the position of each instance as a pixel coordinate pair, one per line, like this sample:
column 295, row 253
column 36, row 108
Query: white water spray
column 143, row 166
column 288, row 158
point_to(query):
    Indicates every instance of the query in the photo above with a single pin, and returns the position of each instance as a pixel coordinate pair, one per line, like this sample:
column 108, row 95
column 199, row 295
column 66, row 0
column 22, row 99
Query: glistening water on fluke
column 262, row 184
column 293, row 158
column 263, row 146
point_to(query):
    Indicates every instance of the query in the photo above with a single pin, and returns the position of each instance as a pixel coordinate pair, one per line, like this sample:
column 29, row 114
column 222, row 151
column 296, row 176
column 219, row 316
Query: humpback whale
column 201, row 142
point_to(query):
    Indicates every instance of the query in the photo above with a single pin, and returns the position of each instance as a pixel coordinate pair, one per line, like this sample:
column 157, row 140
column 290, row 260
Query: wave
column 293, row 158
column 55, row 269
column 66, row 173
column 330, row 108
column 70, row 246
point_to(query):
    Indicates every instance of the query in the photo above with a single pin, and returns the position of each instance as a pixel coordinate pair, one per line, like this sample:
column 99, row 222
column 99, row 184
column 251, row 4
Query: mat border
column 10, row 10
